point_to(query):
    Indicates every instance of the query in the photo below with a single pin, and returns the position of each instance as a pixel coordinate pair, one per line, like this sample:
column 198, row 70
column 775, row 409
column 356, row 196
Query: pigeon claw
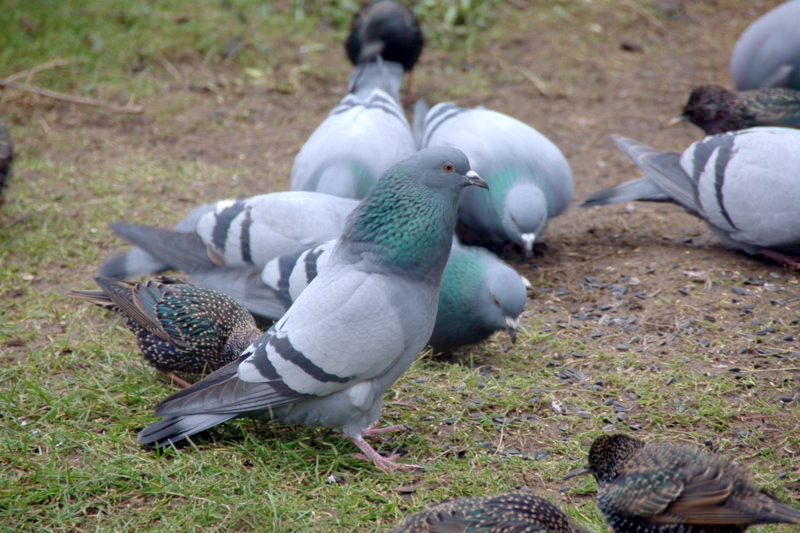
column 387, row 464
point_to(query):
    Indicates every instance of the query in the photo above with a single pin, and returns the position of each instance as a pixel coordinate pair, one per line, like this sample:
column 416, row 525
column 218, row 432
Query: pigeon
column 361, row 137
column 667, row 488
column 480, row 293
column 744, row 184
column 767, row 53
column 529, row 179
column 514, row 512
column 715, row 109
column 355, row 329
column 232, row 233
column 6, row 157
column 388, row 29
column 179, row 327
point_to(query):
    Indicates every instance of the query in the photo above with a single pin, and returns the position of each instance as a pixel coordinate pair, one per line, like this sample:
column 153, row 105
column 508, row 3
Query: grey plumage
column 715, row 109
column 361, row 137
column 235, row 234
column 530, row 181
column 504, row 513
column 355, row 329
column 179, row 327
column 480, row 294
column 667, row 488
column 767, row 54
column 744, row 184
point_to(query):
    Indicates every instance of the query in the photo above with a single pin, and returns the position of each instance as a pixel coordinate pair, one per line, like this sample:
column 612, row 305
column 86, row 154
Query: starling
column 6, row 156
column 667, row 488
column 716, row 109
column 515, row 512
column 179, row 327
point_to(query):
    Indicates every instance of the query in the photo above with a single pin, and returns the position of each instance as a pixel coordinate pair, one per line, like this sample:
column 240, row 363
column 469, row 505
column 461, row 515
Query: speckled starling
column 508, row 513
column 6, row 156
column 179, row 327
column 667, row 488
column 716, row 109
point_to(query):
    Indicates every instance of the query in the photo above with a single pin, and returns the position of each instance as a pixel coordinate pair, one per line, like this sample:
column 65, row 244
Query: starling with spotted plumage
column 669, row 488
column 716, row 109
column 179, row 327
column 515, row 512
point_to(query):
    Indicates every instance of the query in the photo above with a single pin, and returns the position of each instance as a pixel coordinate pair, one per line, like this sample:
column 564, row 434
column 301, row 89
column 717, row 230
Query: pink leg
column 387, row 464
column 791, row 261
column 408, row 99
column 178, row 380
column 372, row 430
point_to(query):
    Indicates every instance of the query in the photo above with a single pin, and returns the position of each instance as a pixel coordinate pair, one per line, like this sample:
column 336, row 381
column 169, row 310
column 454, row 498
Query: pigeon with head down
column 530, row 181
column 480, row 293
column 355, row 329
column 743, row 184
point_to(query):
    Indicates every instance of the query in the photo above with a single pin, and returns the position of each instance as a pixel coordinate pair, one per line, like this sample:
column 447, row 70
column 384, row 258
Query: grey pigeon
column 744, row 184
column 505, row 513
column 361, row 137
column 232, row 233
column 179, row 327
column 767, row 53
column 480, row 294
column 530, row 181
column 6, row 157
column 715, row 109
column 668, row 488
column 355, row 329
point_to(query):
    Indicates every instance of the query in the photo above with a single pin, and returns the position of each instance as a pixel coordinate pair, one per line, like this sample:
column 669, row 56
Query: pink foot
column 178, row 380
column 386, row 464
column 792, row 261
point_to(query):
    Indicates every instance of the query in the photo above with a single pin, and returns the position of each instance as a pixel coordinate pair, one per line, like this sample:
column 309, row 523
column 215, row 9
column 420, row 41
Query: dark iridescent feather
column 507, row 513
column 6, row 156
column 179, row 327
column 386, row 28
column 715, row 109
column 666, row 488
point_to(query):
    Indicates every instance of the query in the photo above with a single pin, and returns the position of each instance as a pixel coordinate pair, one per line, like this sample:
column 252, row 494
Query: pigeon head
column 524, row 214
column 407, row 219
column 609, row 453
column 503, row 298
column 386, row 28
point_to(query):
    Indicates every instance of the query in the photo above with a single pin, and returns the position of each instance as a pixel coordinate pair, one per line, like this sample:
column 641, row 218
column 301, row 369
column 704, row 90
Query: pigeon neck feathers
column 376, row 75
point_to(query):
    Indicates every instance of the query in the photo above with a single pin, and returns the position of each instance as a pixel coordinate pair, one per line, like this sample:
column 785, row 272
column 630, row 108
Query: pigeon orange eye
column 495, row 301
column 448, row 167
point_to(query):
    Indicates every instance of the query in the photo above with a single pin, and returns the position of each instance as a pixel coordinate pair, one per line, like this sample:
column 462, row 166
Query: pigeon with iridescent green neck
column 355, row 329
column 530, row 181
column 480, row 293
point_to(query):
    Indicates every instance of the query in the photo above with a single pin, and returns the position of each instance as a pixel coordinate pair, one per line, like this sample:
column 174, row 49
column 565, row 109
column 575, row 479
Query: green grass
column 74, row 391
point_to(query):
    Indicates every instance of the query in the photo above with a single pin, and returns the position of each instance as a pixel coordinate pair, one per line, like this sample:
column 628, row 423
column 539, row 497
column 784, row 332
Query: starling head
column 609, row 452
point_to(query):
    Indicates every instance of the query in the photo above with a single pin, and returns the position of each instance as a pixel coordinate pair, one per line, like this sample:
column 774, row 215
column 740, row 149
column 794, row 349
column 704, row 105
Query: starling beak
column 666, row 488
column 517, row 512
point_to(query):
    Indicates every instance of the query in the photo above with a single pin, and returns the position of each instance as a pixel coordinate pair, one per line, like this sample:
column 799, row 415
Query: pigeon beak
column 526, row 282
column 527, row 240
column 474, row 179
column 511, row 326
column 580, row 471
column 674, row 121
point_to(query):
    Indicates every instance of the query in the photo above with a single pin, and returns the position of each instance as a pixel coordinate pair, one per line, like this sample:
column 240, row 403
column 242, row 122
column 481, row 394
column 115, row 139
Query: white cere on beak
column 526, row 282
column 527, row 240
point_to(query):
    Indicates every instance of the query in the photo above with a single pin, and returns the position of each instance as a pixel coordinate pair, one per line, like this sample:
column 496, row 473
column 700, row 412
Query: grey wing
column 639, row 189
